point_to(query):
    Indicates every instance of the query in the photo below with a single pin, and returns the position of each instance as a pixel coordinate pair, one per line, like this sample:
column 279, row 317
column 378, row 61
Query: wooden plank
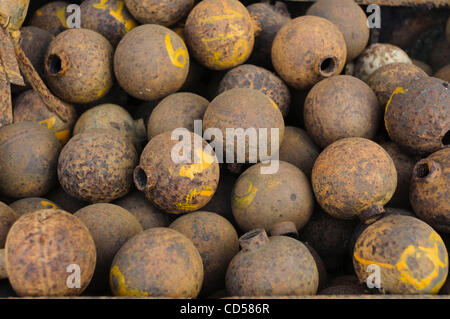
column 395, row 3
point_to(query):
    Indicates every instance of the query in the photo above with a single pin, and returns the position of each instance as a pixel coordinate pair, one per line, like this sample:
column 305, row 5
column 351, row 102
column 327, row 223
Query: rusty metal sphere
column 109, row 18
column 220, row 33
column 53, row 243
column 97, row 166
column 151, row 76
column 111, row 226
column 159, row 262
column 283, row 264
column 162, row 12
column 387, row 78
column 308, row 49
column 350, row 19
column 32, row 204
column 215, row 239
column 246, row 109
column 175, row 185
column 78, row 66
column 408, row 264
column 263, row 200
column 29, row 107
column 354, row 177
column 299, row 149
column 7, row 218
column 260, row 79
column 430, row 189
column 417, row 116
column 377, row 55
column 341, row 106
column 115, row 117
column 28, row 159
column 145, row 212
column 51, row 17
column 175, row 111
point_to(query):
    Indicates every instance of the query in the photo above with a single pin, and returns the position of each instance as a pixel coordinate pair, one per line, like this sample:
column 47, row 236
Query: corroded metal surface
column 393, row 3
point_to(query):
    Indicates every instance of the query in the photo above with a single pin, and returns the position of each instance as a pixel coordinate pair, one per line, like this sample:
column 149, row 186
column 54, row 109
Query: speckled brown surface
column 177, row 187
column 387, row 78
column 352, row 175
column 430, row 189
column 277, row 266
column 220, row 33
column 330, row 237
column 341, row 106
column 404, row 164
column 97, row 166
column 264, row 200
column 162, row 12
column 246, row 109
column 29, row 107
column 28, row 158
column 350, row 19
column 78, row 66
column 109, row 18
column 417, row 116
column 39, row 248
column 175, row 111
column 299, row 149
column 268, row 21
column 31, row 204
column 51, row 17
column 375, row 56
column 443, row 73
column 410, row 255
column 115, row 117
column 257, row 78
column 159, row 262
column 215, row 239
column 7, row 217
column 145, row 212
column 151, row 76
column 111, row 226
column 308, row 49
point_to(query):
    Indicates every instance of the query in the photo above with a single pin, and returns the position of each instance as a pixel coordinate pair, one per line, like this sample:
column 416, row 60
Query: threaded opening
column 422, row 170
column 327, row 66
column 54, row 64
column 140, row 178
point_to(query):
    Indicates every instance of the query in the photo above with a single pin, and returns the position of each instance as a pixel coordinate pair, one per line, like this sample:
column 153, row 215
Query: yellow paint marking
column 38, row 12
column 61, row 14
column 229, row 14
column 63, row 136
column 102, row 5
column 405, row 274
column 273, row 103
column 189, row 170
column 367, row 262
column 122, row 288
column 244, row 201
column 398, row 90
column 47, row 204
column 175, row 55
column 49, row 123
column 103, row 91
column 431, row 254
column 118, row 15
column 187, row 205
